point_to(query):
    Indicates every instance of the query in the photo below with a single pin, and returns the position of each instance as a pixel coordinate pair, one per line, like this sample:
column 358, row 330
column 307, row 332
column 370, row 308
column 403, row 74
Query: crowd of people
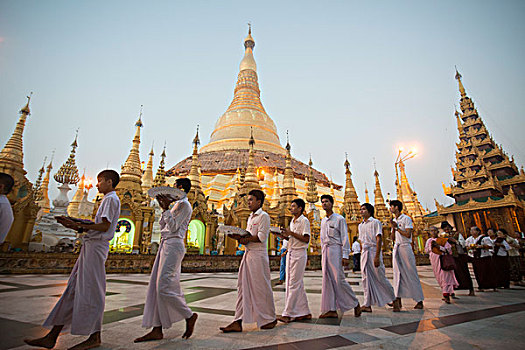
column 494, row 256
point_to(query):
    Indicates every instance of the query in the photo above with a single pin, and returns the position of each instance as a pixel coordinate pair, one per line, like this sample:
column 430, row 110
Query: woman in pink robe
column 446, row 279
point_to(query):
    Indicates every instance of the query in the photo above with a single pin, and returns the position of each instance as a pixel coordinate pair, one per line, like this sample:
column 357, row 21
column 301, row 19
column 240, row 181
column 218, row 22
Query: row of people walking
column 81, row 306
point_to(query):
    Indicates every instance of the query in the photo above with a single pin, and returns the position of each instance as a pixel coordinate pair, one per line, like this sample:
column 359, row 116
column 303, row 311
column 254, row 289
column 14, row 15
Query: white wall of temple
column 221, row 189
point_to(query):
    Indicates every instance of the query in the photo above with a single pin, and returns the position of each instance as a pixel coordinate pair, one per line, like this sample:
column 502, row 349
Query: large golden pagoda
column 489, row 190
column 224, row 159
column 22, row 196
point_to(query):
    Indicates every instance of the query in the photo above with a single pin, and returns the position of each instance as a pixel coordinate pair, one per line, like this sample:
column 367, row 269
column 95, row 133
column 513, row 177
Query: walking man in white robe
column 165, row 303
column 81, row 307
column 377, row 289
column 406, row 279
column 336, row 292
column 298, row 236
column 254, row 289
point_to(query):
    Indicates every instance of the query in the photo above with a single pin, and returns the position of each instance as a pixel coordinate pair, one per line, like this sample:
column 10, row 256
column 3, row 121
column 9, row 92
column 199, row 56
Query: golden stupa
column 224, row 160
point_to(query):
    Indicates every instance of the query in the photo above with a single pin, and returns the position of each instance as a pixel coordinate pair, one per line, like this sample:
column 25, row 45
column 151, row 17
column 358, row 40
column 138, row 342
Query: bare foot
column 190, row 324
column 269, row 325
column 44, row 342
column 235, row 326
column 366, row 309
column 155, row 334
column 329, row 314
column 419, row 306
column 93, row 341
column 284, row 319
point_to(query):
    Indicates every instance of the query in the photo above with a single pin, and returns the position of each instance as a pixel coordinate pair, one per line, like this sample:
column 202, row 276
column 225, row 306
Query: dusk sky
column 362, row 77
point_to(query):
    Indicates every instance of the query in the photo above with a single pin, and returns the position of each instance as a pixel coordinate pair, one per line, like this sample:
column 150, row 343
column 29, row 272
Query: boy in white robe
column 377, row 289
column 254, row 288
column 165, row 302
column 81, row 307
column 336, row 292
column 406, row 279
column 6, row 212
column 298, row 236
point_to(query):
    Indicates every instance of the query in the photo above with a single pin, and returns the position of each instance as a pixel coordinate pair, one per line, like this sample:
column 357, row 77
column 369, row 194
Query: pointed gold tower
column 381, row 211
column 44, row 202
column 147, row 177
column 367, row 198
column 246, row 110
column 131, row 175
column 351, row 202
column 289, row 193
column 160, row 176
column 194, row 175
column 72, row 208
column 21, row 196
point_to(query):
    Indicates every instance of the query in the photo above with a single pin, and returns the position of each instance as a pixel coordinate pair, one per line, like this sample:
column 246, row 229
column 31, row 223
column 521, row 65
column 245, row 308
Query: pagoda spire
column 351, row 202
column 44, row 202
column 250, row 178
column 460, row 84
column 131, row 170
column 160, row 176
column 194, row 175
column 68, row 173
column 245, row 111
column 12, row 155
column 381, row 212
column 367, row 198
column 147, row 177
column 38, row 181
column 312, row 195
column 72, row 209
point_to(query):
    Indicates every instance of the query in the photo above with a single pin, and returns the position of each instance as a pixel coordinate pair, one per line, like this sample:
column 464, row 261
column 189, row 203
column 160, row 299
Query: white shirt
column 403, row 222
column 503, row 250
column 485, row 241
column 368, row 231
column 258, row 225
column 301, row 226
column 285, row 244
column 335, row 232
column 174, row 223
column 356, row 248
column 110, row 209
column 6, row 217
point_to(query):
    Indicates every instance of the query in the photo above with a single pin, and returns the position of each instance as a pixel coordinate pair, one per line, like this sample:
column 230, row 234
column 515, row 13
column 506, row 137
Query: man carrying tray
column 254, row 289
column 165, row 303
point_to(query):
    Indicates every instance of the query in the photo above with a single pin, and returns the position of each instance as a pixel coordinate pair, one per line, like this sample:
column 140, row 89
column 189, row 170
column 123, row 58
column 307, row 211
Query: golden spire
column 288, row 180
column 72, row 208
column 38, row 181
column 250, row 178
column 460, row 125
column 194, row 175
column 367, row 198
column 12, row 155
column 44, row 202
column 381, row 212
column 351, row 202
column 245, row 111
column 461, row 88
column 160, row 176
column 147, row 178
column 311, row 194
column 68, row 172
column 131, row 170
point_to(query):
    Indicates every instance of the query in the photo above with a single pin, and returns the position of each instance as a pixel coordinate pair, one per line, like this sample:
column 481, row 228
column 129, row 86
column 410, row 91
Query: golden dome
column 246, row 112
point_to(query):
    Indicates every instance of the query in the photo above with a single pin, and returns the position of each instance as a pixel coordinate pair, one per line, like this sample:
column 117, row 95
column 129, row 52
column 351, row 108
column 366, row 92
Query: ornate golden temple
column 489, row 190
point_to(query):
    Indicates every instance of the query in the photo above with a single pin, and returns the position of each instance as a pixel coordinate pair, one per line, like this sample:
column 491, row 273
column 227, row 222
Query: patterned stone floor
column 488, row 321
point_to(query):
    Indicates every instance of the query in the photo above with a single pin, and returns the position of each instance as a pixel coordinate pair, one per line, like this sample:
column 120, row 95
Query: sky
column 356, row 77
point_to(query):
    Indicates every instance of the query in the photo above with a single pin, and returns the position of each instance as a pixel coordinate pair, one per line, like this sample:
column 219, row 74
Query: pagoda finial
column 461, row 88
column 288, row 147
column 68, row 172
column 139, row 121
column 347, row 163
column 196, row 140
column 252, row 140
column 25, row 109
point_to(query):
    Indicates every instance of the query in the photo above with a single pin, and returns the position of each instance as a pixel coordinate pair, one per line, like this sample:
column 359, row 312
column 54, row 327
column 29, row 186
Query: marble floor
column 490, row 320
